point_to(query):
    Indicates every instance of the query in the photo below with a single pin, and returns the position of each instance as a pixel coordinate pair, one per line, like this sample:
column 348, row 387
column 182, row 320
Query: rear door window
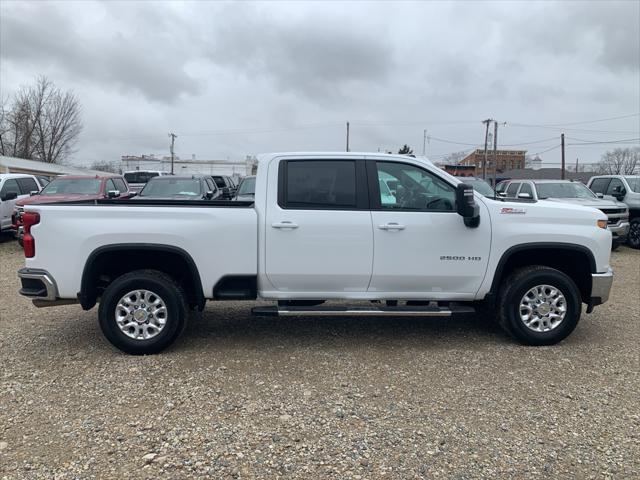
column 318, row 184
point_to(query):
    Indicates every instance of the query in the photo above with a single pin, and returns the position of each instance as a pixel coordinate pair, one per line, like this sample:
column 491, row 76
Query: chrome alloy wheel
column 141, row 314
column 543, row 308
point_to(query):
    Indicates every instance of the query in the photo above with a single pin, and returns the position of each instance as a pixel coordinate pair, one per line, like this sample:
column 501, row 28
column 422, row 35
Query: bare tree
column 621, row 161
column 42, row 123
column 105, row 166
column 453, row 158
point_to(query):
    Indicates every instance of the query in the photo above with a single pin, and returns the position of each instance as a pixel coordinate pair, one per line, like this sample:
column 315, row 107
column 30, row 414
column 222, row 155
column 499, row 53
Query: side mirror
column 524, row 195
column 209, row 195
column 9, row 196
column 502, row 194
column 466, row 205
column 113, row 194
column 33, row 192
column 599, row 195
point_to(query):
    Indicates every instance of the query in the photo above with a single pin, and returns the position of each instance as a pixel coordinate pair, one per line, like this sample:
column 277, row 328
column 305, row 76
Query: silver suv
column 624, row 188
column 567, row 191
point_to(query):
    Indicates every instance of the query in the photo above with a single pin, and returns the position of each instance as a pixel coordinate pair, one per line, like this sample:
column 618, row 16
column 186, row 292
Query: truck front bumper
column 619, row 231
column 600, row 288
column 41, row 288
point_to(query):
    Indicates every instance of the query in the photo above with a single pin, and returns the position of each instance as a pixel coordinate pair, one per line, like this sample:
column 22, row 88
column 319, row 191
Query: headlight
column 602, row 223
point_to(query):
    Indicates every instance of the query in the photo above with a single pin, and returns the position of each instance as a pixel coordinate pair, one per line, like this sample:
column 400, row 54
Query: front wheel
column 539, row 305
column 142, row 312
column 633, row 239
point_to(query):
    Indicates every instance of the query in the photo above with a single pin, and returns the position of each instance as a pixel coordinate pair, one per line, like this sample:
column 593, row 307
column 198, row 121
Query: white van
column 14, row 186
column 137, row 179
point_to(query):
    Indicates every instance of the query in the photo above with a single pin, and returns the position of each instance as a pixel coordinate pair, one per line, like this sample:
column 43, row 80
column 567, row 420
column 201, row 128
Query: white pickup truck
column 393, row 231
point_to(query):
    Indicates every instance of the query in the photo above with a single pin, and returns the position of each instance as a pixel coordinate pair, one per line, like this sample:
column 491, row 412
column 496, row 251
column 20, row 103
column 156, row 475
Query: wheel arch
column 577, row 261
column 108, row 262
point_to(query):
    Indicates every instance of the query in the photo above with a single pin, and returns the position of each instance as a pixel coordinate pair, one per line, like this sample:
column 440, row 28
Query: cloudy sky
column 232, row 79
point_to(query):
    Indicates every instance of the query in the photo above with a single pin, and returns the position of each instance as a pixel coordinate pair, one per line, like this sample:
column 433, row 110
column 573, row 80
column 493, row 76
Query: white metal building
column 33, row 167
column 183, row 167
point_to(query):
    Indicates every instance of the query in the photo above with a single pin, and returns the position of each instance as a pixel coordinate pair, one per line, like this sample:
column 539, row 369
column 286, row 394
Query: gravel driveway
column 245, row 397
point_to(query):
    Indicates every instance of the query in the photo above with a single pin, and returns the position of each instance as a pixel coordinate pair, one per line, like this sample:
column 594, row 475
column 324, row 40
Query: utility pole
column 424, row 143
column 347, row 136
column 173, row 141
column 495, row 151
column 486, row 137
column 562, row 143
column 576, row 164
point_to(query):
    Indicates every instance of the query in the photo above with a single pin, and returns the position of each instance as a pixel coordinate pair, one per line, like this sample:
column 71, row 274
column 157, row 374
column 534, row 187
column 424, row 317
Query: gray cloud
column 132, row 56
column 311, row 56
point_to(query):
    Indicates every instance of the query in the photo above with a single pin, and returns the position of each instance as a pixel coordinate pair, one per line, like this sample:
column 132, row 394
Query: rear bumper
column 600, row 288
column 41, row 288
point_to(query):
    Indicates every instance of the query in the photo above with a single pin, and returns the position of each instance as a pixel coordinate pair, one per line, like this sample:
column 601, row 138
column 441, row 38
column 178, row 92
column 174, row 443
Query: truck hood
column 62, row 197
column 588, row 202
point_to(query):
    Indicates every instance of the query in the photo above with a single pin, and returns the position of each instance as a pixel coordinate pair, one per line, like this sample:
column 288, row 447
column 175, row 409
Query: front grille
column 613, row 211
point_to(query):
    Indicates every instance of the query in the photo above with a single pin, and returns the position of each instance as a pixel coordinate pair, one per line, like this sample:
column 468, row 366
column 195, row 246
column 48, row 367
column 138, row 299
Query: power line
column 583, row 122
column 599, row 142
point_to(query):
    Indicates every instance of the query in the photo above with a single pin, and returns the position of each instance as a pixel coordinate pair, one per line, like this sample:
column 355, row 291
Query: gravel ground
column 245, row 397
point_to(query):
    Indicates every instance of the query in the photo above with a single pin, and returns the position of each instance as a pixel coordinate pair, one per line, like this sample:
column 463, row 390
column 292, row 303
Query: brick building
column 507, row 160
column 460, row 170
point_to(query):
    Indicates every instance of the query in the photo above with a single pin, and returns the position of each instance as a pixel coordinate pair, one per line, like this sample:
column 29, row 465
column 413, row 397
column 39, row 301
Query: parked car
column 480, row 186
column 137, row 179
column 567, row 191
column 14, row 187
column 193, row 187
column 226, row 185
column 626, row 189
column 71, row 188
column 310, row 236
column 247, row 189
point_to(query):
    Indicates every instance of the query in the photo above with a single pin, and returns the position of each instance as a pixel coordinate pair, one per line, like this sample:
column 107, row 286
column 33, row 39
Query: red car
column 73, row 187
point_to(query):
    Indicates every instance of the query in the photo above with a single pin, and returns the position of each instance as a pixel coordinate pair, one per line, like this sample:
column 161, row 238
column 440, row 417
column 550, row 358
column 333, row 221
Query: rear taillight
column 28, row 242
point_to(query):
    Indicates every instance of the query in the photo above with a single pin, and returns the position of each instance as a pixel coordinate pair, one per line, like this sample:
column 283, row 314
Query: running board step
column 401, row 311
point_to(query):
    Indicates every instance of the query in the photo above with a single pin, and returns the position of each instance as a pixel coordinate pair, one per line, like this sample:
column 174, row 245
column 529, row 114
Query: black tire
column 633, row 238
column 154, row 281
column 512, row 291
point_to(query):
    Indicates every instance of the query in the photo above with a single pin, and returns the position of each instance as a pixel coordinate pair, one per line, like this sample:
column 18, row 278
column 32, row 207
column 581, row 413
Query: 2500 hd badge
column 459, row 258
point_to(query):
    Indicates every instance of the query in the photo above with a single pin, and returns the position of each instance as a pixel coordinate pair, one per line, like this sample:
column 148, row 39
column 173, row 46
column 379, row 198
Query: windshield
column 167, row 186
column 563, row 190
column 482, row 187
column 73, row 186
column 248, row 186
column 634, row 183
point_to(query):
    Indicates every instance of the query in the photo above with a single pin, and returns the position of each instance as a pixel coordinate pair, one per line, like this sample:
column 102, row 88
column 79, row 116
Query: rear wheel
column 539, row 305
column 633, row 239
column 142, row 312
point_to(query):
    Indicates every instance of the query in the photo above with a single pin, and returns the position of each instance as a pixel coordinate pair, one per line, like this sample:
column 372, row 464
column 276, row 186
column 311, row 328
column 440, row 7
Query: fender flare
column 87, row 295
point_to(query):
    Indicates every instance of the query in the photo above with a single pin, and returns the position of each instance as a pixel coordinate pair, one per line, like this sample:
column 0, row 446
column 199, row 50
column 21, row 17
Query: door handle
column 391, row 226
column 284, row 224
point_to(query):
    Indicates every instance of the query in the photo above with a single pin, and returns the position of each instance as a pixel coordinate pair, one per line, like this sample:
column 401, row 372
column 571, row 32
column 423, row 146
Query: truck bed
column 221, row 237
